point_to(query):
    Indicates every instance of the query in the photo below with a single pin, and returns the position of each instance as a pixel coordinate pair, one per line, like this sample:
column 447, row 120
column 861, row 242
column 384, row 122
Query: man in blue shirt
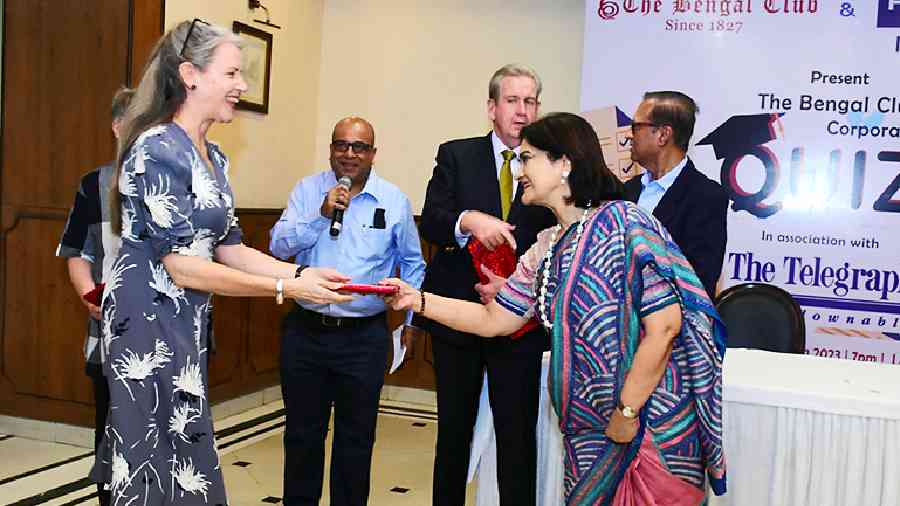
column 335, row 355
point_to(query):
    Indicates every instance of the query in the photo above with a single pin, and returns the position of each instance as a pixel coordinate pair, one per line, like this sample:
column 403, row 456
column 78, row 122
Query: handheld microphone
column 337, row 218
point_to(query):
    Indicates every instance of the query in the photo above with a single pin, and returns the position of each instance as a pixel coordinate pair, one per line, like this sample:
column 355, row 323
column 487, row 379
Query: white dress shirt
column 499, row 148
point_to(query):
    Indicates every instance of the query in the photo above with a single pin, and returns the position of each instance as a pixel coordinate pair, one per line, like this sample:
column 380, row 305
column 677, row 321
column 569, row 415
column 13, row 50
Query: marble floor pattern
column 250, row 447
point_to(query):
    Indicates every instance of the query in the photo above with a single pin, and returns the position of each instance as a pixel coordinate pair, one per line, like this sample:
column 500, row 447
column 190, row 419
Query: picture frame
column 256, row 67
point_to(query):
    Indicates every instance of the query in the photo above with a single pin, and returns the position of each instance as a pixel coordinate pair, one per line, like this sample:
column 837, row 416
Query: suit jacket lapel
column 517, row 205
column 633, row 189
column 668, row 205
column 485, row 183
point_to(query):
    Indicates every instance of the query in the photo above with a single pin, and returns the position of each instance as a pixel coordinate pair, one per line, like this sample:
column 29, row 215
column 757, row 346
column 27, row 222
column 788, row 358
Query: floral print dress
column 159, row 446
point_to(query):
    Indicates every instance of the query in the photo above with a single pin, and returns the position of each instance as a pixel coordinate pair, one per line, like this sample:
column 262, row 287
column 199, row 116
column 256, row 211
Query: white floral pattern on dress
column 108, row 333
column 165, row 287
column 200, row 320
column 136, row 367
column 120, row 471
column 163, row 205
column 203, row 184
column 189, row 479
column 201, row 246
column 190, row 380
column 181, row 416
column 128, row 223
column 127, row 185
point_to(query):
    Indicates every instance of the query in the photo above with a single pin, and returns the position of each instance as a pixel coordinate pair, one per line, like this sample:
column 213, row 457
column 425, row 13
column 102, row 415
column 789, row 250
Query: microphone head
column 346, row 182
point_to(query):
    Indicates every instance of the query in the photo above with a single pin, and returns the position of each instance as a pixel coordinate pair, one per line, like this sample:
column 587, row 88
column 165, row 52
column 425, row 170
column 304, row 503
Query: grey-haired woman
column 180, row 244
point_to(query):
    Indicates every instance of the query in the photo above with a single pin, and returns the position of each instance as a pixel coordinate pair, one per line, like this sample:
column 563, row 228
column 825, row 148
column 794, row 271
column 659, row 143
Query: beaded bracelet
column 422, row 306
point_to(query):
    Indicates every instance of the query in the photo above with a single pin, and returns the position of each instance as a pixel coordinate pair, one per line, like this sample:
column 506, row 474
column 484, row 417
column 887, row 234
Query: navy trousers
column 514, row 373
column 321, row 368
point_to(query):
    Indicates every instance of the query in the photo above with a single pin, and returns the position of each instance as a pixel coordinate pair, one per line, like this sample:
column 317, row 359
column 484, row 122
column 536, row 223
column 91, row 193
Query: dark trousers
column 514, row 372
column 321, row 368
column 101, row 408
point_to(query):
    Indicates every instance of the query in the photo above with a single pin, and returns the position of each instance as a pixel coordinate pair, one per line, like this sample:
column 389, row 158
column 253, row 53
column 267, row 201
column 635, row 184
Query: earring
column 193, row 86
column 565, row 177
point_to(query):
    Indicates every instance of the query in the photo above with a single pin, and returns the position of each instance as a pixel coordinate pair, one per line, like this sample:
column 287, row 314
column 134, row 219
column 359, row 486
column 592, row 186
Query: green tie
column 506, row 181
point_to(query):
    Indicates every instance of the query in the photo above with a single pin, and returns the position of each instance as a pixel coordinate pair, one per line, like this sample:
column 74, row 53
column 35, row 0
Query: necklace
column 545, row 265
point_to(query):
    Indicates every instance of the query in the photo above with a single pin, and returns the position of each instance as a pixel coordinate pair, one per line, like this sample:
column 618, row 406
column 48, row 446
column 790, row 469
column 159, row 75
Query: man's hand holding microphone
column 336, row 201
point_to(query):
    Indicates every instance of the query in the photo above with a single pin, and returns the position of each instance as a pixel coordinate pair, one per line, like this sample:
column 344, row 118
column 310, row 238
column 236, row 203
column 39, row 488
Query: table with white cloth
column 799, row 430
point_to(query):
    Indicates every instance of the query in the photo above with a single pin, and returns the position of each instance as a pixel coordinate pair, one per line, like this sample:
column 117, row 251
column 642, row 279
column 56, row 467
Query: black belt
column 321, row 321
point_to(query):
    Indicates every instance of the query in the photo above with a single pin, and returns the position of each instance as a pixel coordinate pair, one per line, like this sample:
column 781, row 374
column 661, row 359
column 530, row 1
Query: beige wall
column 419, row 71
column 269, row 152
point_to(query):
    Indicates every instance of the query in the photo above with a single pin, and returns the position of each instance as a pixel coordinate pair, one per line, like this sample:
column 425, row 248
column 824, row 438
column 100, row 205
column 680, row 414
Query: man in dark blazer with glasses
column 692, row 207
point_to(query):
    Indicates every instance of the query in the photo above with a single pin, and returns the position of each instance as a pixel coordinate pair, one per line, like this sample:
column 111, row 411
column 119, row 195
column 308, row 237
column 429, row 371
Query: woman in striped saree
column 637, row 347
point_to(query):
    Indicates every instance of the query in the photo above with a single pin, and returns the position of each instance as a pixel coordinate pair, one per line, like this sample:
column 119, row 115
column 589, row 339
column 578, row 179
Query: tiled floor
column 251, row 455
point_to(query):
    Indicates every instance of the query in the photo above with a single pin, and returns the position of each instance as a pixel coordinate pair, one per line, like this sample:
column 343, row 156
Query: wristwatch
column 628, row 411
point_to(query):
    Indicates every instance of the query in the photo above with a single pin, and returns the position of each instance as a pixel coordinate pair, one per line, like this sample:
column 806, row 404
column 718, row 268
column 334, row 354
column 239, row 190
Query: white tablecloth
column 799, row 430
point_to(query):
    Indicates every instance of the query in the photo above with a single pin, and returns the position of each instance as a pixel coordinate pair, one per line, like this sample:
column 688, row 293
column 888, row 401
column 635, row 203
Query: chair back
column 762, row 317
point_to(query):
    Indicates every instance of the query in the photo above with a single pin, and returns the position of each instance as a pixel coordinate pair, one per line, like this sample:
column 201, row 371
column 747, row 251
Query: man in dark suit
column 691, row 206
column 472, row 194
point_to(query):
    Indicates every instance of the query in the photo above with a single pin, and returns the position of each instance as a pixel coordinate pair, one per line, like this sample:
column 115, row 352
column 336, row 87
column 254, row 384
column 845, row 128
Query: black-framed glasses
column 637, row 124
column 358, row 146
column 188, row 36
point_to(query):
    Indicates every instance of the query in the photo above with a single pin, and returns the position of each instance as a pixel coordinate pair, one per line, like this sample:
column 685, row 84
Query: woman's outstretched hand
column 406, row 297
column 317, row 285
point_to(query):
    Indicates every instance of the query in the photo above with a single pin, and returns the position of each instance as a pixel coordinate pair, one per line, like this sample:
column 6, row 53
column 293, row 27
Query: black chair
column 763, row 317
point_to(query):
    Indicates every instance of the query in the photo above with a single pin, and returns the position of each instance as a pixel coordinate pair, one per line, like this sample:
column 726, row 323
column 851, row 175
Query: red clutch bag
column 502, row 262
column 95, row 295
column 364, row 289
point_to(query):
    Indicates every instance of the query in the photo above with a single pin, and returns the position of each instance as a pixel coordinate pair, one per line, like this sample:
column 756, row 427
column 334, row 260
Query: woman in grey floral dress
column 180, row 244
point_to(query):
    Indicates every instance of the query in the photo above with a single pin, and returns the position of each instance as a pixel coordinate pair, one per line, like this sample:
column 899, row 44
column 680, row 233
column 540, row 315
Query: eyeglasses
column 358, row 146
column 637, row 124
column 190, row 31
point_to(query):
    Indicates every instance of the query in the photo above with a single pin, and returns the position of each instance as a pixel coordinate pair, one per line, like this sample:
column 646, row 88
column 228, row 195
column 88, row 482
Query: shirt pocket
column 376, row 243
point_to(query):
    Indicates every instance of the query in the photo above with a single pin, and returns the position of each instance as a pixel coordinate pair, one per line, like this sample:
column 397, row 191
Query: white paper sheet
column 399, row 349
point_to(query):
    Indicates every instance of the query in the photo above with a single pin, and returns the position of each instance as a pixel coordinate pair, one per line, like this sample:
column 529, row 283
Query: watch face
column 628, row 412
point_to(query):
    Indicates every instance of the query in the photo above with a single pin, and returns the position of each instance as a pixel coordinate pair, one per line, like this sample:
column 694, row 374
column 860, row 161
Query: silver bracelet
column 279, row 291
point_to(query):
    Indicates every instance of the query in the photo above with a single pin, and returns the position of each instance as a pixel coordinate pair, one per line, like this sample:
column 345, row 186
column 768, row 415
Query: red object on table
column 502, row 262
column 95, row 295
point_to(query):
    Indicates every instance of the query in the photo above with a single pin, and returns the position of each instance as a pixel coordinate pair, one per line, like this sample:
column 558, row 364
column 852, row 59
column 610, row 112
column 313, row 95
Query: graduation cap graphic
column 746, row 135
column 622, row 119
column 739, row 134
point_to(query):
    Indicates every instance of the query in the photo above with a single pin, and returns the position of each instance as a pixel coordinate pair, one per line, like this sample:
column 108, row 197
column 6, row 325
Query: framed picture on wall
column 257, row 64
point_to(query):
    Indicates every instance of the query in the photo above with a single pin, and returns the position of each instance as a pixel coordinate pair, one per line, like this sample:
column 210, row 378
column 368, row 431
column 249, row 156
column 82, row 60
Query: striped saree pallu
column 595, row 337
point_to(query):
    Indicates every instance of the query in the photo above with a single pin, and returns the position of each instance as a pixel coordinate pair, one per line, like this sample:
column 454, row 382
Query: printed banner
column 800, row 123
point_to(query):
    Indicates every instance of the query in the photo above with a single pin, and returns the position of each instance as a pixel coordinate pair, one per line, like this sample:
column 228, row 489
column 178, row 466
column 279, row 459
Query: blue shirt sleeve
column 301, row 223
column 409, row 251
column 461, row 238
